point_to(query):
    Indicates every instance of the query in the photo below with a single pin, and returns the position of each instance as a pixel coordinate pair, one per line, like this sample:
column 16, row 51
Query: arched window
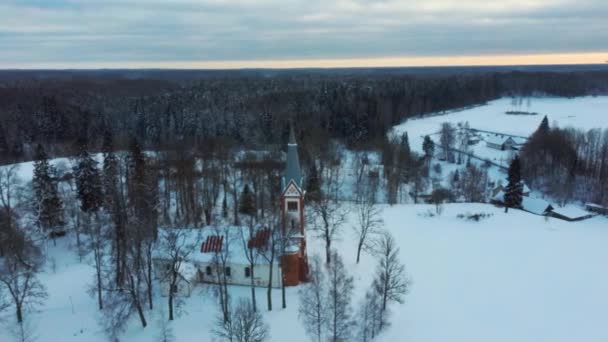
column 247, row 272
column 228, row 271
column 208, row 270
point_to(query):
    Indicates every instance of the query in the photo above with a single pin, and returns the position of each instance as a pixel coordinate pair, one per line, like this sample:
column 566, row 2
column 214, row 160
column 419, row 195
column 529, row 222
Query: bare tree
column 175, row 245
column 18, row 274
column 252, row 240
column 313, row 305
column 243, row 325
column 370, row 317
column 391, row 281
column 369, row 224
column 329, row 213
column 272, row 250
column 221, row 259
column 339, row 311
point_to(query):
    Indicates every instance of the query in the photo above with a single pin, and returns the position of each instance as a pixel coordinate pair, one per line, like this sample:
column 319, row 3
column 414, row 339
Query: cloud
column 131, row 31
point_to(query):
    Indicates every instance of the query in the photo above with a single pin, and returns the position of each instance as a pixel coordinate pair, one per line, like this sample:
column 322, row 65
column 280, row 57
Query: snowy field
column 511, row 277
column 580, row 112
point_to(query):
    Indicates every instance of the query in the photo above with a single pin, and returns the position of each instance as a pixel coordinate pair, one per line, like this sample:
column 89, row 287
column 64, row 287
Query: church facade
column 294, row 261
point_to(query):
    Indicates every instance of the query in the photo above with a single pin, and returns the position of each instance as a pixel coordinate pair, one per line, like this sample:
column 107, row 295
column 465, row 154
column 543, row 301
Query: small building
column 204, row 264
column 536, row 206
column 570, row 213
column 501, row 142
column 597, row 208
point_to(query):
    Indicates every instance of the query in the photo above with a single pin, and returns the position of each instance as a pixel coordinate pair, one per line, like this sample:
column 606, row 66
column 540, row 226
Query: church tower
column 294, row 261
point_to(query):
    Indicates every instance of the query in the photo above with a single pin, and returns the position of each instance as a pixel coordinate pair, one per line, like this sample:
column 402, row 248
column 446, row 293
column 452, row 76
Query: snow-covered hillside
column 511, row 277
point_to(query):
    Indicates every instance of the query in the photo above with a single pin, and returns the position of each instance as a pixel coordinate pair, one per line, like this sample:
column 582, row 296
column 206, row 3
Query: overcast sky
column 243, row 33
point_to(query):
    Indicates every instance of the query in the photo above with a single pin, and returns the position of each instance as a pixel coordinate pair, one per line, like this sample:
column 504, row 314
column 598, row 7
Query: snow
column 536, row 206
column 187, row 270
column 570, row 211
column 581, row 112
column 510, row 277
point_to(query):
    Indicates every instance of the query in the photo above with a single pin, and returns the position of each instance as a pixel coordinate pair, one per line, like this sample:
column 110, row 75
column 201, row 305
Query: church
column 291, row 264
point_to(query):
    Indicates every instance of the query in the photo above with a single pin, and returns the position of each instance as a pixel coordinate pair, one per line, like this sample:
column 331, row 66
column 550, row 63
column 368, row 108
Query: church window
column 292, row 206
column 247, row 272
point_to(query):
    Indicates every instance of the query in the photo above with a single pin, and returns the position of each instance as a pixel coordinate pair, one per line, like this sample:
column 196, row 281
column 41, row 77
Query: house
column 570, row 213
column 500, row 142
column 222, row 251
column 596, row 208
column 532, row 205
column 536, row 206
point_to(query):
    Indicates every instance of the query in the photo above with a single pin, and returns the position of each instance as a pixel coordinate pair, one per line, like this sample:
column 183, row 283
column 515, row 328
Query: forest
column 247, row 108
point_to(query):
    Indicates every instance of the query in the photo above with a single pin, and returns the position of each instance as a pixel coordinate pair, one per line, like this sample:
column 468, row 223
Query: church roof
column 292, row 168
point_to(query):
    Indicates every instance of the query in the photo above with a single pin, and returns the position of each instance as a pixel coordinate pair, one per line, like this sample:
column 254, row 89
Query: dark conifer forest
column 207, row 109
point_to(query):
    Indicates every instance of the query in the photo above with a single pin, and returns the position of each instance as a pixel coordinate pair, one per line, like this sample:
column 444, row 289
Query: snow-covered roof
column 498, row 140
column 230, row 237
column 571, row 212
column 595, row 205
column 536, row 206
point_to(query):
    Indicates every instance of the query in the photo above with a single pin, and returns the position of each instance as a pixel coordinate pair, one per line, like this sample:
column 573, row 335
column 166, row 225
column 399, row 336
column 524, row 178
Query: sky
column 299, row 33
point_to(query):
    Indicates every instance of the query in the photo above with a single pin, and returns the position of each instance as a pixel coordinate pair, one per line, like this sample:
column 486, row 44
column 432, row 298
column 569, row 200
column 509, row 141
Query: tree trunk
column 359, row 247
column 327, row 248
column 99, row 285
column 283, row 299
column 253, row 301
column 140, row 312
column 171, row 303
column 19, row 313
column 269, row 290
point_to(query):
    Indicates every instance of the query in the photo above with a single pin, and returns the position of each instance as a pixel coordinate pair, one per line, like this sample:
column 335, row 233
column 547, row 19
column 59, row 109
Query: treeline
column 569, row 164
column 248, row 109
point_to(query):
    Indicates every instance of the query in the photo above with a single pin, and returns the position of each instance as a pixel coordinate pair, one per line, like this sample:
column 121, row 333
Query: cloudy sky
column 284, row 33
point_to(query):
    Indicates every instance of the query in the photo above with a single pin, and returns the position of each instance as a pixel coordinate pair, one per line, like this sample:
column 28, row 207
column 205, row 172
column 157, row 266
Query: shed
column 536, row 206
column 570, row 213
column 500, row 142
column 596, row 208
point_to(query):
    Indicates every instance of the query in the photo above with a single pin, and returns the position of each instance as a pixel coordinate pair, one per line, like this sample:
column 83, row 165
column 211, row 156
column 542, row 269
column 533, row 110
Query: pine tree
column 543, row 128
column 313, row 185
column 428, row 146
column 514, row 189
column 47, row 203
column 405, row 145
column 247, row 202
column 88, row 182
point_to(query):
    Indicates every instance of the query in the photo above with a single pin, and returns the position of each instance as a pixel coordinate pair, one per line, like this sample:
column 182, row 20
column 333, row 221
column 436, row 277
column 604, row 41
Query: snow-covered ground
column 581, row 112
column 511, row 277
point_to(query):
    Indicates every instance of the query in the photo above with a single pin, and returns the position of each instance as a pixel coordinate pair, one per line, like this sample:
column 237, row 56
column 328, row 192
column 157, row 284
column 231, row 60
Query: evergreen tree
column 313, row 185
column 405, row 145
column 47, row 204
column 88, row 182
column 428, row 146
column 514, row 189
column 543, row 128
column 247, row 202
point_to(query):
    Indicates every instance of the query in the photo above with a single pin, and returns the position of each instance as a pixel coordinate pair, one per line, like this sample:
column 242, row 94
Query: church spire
column 292, row 169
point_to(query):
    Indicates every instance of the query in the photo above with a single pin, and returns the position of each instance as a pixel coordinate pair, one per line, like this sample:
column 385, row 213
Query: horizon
column 347, row 63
